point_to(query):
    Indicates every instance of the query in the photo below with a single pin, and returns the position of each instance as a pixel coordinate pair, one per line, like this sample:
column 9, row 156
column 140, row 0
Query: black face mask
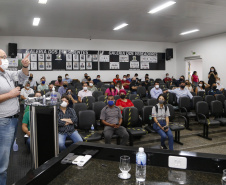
column 122, row 96
column 86, row 77
column 89, row 79
column 30, row 78
column 65, row 85
column 59, row 80
column 182, row 86
column 214, row 87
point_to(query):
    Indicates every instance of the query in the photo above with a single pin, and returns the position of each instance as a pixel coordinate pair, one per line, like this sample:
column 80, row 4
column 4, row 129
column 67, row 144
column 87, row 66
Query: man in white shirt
column 155, row 91
column 83, row 93
column 26, row 91
column 219, row 86
column 33, row 83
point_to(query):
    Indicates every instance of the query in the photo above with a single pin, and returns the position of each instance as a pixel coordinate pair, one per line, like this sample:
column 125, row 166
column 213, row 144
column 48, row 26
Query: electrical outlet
column 177, row 162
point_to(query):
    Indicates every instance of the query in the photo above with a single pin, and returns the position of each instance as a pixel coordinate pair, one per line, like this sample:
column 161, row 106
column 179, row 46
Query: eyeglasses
column 3, row 57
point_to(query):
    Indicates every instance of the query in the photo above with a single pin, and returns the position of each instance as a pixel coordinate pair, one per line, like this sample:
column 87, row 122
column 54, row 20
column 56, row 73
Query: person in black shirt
column 212, row 76
column 67, row 120
column 133, row 86
column 72, row 98
column 146, row 84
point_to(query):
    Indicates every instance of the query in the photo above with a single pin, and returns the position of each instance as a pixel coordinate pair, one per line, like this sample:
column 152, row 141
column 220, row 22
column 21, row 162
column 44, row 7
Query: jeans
column 8, row 127
column 75, row 137
column 164, row 134
column 28, row 143
column 134, row 92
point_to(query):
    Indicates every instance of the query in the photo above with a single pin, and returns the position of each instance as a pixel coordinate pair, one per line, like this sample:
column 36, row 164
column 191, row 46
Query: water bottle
column 44, row 100
column 141, row 159
column 15, row 146
column 92, row 128
column 53, row 97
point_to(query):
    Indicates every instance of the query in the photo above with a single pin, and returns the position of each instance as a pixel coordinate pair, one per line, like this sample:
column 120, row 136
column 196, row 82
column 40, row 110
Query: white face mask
column 212, row 69
column 5, row 64
column 85, row 88
column 218, row 81
column 167, row 76
column 63, row 104
column 27, row 88
column 124, row 79
column 67, row 76
column 200, row 85
column 156, row 86
column 91, row 84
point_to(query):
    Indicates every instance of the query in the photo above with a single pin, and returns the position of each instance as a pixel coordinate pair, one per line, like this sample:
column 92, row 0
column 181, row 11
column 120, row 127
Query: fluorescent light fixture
column 36, row 21
column 42, row 1
column 161, row 7
column 120, row 26
column 191, row 31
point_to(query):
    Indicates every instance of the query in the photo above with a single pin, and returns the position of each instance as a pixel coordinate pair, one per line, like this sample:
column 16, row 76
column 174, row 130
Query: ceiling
column 97, row 18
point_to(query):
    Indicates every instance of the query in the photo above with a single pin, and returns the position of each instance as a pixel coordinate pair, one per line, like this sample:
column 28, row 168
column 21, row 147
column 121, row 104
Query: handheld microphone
column 16, row 83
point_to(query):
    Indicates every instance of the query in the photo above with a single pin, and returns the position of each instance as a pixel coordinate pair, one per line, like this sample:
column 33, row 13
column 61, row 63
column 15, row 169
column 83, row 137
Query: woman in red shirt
column 195, row 79
column 123, row 102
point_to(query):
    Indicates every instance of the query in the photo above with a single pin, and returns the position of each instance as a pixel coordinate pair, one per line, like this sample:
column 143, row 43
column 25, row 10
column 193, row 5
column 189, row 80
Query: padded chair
column 103, row 89
column 146, row 113
column 99, row 84
column 202, row 111
column 158, row 79
column 152, row 80
column 79, row 107
column 141, row 91
column 196, row 99
column 116, row 97
column 217, row 112
column 96, row 94
column 172, row 86
column 134, row 97
column 52, row 82
column 152, row 102
column 132, row 123
column 56, row 88
column 185, row 110
column 193, row 93
column 221, row 98
column 78, row 85
column 208, row 99
column 43, row 92
column 176, row 126
column 103, row 98
column 171, row 99
column 77, row 89
column 86, row 120
column 139, row 105
column 202, row 94
column 163, row 86
column 97, row 107
column 105, row 86
column 149, row 90
column 127, row 94
column 89, row 100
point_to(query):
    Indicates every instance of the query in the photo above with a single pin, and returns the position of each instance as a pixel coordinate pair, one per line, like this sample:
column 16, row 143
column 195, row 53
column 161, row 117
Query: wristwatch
column 25, row 67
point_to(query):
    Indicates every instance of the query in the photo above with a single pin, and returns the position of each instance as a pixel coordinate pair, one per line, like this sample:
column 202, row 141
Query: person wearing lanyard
column 160, row 114
column 9, row 108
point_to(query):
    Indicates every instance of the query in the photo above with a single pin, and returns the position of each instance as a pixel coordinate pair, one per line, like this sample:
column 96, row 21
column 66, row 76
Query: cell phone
column 166, row 127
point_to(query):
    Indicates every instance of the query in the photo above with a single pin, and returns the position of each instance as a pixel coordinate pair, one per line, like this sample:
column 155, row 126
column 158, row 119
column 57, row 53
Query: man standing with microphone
column 9, row 109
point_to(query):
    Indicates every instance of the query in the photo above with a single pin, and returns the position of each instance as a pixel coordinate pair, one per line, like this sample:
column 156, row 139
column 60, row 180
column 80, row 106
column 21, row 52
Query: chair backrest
column 44, row 91
column 96, row 94
column 184, row 102
column 196, row 99
column 152, row 102
column 130, row 116
column 77, row 89
column 216, row 108
column 56, row 88
column 99, row 84
column 152, row 80
column 163, row 86
column 139, row 104
column 193, row 93
column 89, row 100
column 209, row 98
column 97, row 107
column 220, row 97
column 171, row 98
column 103, row 89
column 141, row 91
column 146, row 112
column 86, row 119
column 172, row 112
column 106, row 86
column 53, row 82
column 172, row 86
column 158, row 79
column 103, row 98
column 78, row 85
column 202, row 108
column 149, row 90
column 127, row 94
column 116, row 97
column 79, row 107
column 202, row 94
column 134, row 96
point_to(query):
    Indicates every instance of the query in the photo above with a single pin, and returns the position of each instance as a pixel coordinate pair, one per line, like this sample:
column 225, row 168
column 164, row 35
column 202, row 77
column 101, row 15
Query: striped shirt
column 181, row 93
column 11, row 106
column 69, row 114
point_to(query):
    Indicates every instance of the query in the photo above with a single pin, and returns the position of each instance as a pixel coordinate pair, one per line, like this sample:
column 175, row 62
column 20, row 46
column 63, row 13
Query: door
column 194, row 65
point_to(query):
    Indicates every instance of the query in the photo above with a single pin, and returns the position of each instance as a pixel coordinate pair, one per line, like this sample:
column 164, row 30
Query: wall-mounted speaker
column 169, row 53
column 12, row 50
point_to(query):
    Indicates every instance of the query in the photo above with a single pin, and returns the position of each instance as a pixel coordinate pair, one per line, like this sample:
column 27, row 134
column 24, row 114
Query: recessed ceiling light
column 191, row 31
column 36, row 21
column 120, row 26
column 42, row 1
column 161, row 7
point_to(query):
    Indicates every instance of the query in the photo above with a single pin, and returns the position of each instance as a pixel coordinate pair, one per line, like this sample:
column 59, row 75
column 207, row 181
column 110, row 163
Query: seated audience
column 133, row 86
column 144, row 78
column 91, row 87
column 67, row 78
column 67, row 120
column 59, row 82
column 33, row 83
column 50, row 91
column 188, row 86
column 213, row 91
column 111, row 90
column 72, row 98
column 95, row 81
column 201, row 87
column 111, row 117
column 155, row 91
column 83, row 93
column 119, row 86
column 180, row 92
column 160, row 114
column 177, row 82
column 125, row 82
column 219, row 85
column 146, row 83
column 123, row 102
column 84, row 80
column 167, row 78
column 63, row 88
column 116, row 79
column 136, row 76
column 42, row 86
column 26, row 91
column 128, row 77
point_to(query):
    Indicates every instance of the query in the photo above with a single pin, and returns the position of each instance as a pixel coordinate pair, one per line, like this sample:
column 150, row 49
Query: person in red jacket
column 167, row 79
column 116, row 79
column 123, row 102
column 125, row 82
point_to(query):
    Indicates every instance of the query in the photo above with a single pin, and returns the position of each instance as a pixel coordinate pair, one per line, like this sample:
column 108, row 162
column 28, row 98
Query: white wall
column 86, row 44
column 212, row 51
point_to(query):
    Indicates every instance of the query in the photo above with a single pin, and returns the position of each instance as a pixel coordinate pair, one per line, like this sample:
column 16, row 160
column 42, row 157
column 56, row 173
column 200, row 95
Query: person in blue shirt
column 155, row 91
column 67, row 78
column 95, row 81
column 213, row 91
column 128, row 78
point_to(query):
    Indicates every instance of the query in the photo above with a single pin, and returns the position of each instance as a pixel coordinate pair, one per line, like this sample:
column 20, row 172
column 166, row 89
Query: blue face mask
column 112, row 86
column 43, row 82
column 110, row 102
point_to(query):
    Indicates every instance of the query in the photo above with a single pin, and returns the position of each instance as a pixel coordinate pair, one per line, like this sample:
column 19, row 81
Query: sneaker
column 164, row 147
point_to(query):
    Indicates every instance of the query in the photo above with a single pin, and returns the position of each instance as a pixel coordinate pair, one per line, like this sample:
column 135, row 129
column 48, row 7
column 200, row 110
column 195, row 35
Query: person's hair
column 203, row 86
column 59, row 76
column 136, row 74
column 194, row 72
column 124, row 75
column 213, row 68
column 182, row 81
column 98, row 75
column 65, row 96
column 116, row 75
column 156, row 82
column 146, row 74
column 164, row 96
column 120, row 84
column 146, row 78
column 110, row 87
column 27, row 82
column 66, row 74
column 182, row 76
column 85, row 83
column 68, row 90
column 128, row 75
column 111, row 96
